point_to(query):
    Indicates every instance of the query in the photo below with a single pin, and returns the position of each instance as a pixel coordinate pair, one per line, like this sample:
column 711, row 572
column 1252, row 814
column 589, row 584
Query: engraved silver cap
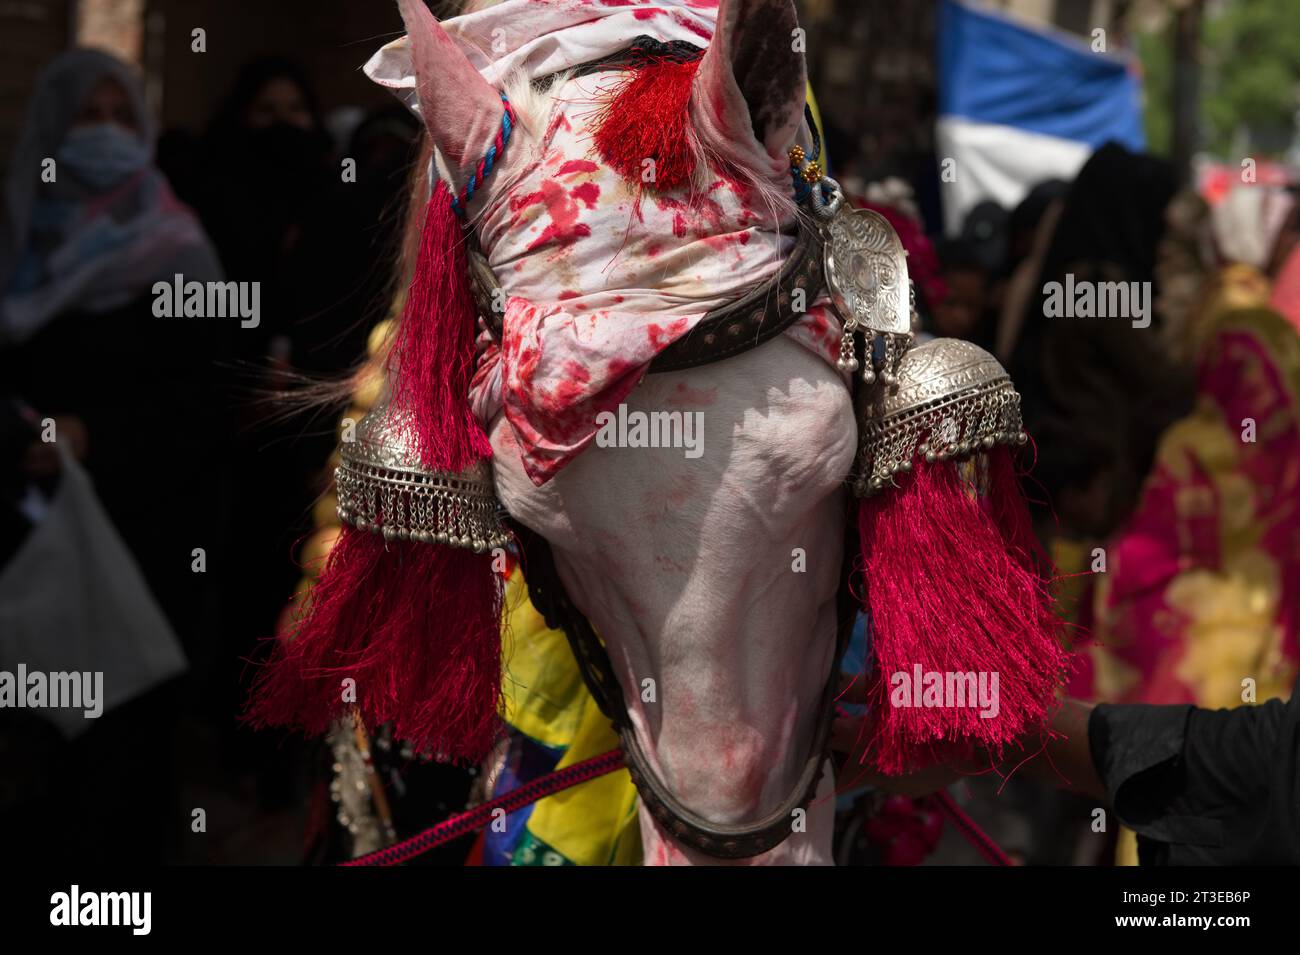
column 384, row 488
column 953, row 400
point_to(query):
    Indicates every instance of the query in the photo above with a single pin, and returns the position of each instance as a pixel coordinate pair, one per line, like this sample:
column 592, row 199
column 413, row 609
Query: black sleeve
column 1206, row 786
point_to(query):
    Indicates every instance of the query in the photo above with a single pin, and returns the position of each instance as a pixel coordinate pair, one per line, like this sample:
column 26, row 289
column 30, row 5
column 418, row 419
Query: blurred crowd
column 1166, row 464
column 194, row 461
column 203, row 480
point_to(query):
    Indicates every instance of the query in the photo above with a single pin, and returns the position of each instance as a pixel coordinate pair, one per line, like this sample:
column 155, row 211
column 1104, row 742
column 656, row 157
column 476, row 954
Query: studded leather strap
column 758, row 316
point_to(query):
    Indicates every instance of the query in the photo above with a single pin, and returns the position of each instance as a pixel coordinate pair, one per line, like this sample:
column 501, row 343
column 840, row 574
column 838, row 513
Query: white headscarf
column 539, row 39
column 1247, row 220
column 114, row 243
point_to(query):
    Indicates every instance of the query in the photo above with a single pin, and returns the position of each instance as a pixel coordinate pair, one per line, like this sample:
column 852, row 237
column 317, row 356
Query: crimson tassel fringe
column 957, row 583
column 432, row 360
column 648, row 117
column 417, row 626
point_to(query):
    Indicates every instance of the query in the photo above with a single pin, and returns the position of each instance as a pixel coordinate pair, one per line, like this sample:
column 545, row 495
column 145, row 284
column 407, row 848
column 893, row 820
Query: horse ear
column 752, row 78
column 461, row 110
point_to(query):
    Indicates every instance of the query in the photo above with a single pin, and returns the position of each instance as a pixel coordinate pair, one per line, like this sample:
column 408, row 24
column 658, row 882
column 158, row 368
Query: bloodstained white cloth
column 600, row 276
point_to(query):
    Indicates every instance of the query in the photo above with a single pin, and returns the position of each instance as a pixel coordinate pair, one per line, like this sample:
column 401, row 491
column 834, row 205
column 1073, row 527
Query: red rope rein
column 977, row 837
column 474, row 819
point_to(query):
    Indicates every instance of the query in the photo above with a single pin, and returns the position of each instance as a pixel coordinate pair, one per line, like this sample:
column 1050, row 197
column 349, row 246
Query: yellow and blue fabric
column 553, row 723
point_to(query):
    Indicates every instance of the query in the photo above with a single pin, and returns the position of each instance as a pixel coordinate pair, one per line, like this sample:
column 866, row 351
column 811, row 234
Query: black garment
column 147, row 390
column 1097, row 393
column 1204, row 787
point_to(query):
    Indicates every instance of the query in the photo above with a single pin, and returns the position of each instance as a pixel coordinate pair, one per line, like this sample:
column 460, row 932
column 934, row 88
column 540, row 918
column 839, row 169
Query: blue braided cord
column 801, row 189
column 489, row 160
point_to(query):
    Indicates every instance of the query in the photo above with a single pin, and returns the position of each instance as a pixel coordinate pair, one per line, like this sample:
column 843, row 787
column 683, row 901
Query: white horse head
column 709, row 568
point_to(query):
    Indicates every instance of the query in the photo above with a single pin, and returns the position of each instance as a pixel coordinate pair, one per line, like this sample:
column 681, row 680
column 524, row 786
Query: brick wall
column 113, row 25
column 331, row 38
column 31, row 33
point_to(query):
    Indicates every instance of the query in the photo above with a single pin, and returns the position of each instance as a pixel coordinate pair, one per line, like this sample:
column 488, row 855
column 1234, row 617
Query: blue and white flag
column 1019, row 104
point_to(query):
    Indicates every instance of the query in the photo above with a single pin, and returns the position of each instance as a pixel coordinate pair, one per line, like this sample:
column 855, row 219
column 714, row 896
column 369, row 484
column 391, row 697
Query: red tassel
column 434, row 350
column 648, row 117
column 417, row 626
column 956, row 583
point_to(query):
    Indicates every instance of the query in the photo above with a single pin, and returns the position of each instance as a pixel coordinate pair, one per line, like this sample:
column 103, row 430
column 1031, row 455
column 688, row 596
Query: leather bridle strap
column 754, row 318
column 642, row 50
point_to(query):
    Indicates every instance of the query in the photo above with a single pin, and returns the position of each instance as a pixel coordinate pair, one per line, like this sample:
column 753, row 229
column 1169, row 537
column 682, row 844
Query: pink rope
column 474, row 819
column 977, row 837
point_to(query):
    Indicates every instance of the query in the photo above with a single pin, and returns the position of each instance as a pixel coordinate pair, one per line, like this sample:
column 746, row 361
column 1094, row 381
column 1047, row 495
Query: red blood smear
column 661, row 336
column 575, row 371
column 701, row 216
column 576, row 166
column 587, row 193
column 565, row 229
column 691, row 25
column 559, row 122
